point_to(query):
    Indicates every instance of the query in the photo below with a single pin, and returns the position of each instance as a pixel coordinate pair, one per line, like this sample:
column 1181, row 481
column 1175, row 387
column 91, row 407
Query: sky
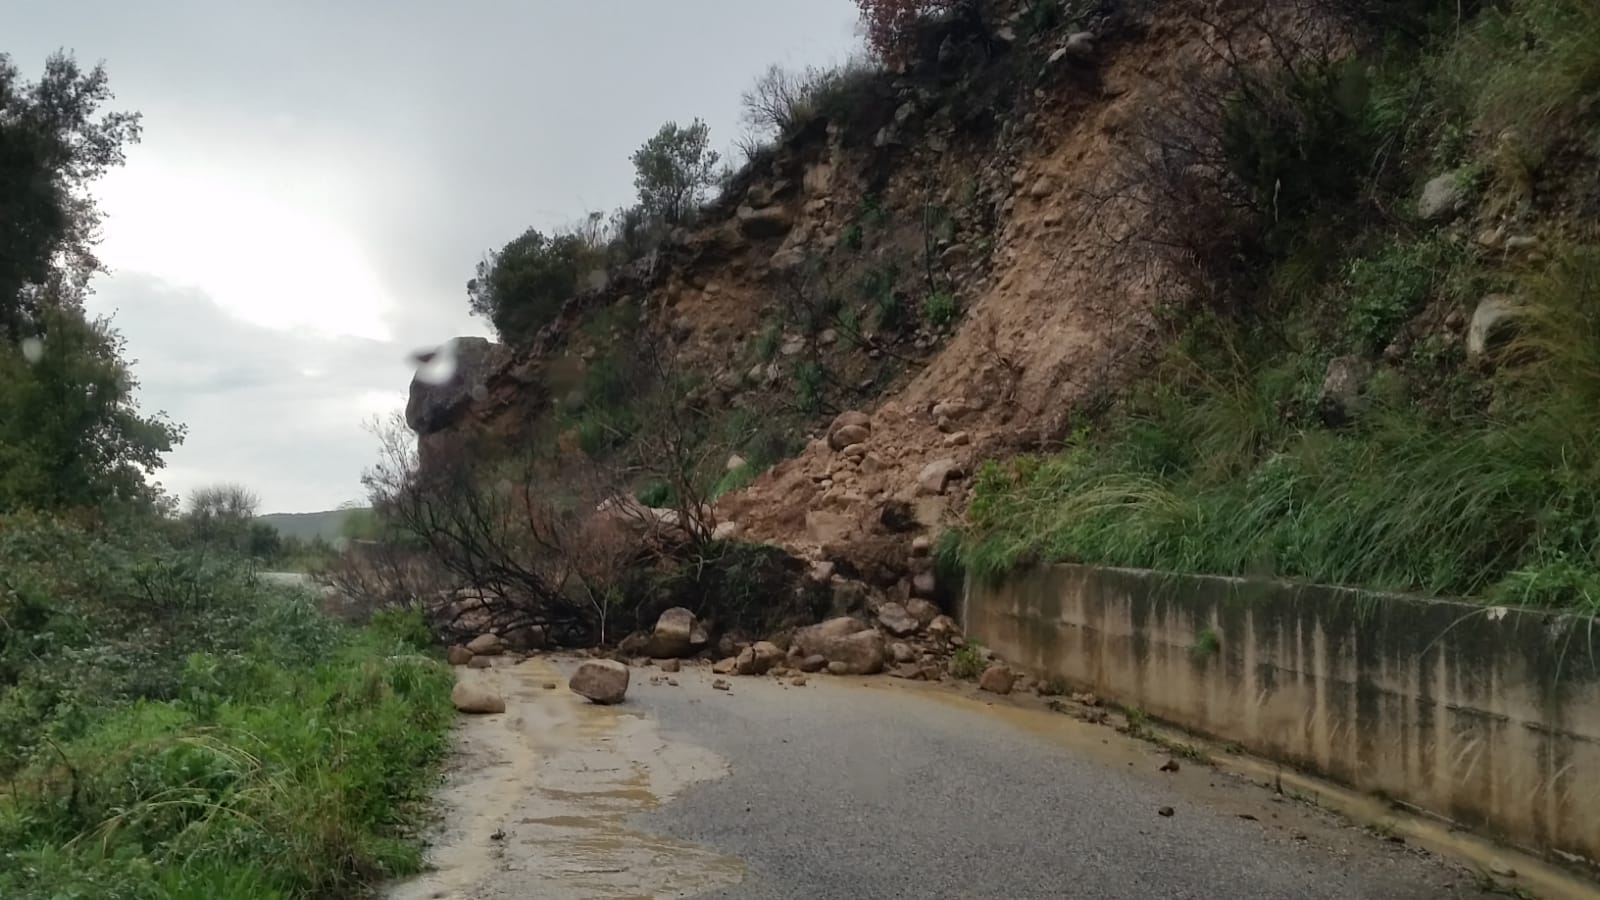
column 317, row 179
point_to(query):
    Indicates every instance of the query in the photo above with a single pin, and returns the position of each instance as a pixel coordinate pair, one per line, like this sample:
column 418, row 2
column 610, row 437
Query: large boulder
column 1344, row 388
column 458, row 656
column 896, row 620
column 477, row 699
column 997, row 679
column 849, row 428
column 758, row 658
column 813, row 640
column 1443, row 198
column 603, row 681
column 525, row 638
column 678, row 633
column 486, row 645
column 861, row 653
column 448, row 379
column 1491, row 322
column 935, row 475
column 923, row 611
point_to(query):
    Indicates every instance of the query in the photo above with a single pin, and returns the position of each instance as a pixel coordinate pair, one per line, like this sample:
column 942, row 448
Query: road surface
column 867, row 788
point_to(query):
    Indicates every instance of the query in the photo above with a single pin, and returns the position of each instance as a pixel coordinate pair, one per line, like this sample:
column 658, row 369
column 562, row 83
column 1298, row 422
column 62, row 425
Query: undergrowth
column 175, row 729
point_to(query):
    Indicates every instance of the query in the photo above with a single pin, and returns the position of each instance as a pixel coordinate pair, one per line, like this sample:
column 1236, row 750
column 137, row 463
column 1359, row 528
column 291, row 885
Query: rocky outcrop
column 449, row 379
column 603, row 681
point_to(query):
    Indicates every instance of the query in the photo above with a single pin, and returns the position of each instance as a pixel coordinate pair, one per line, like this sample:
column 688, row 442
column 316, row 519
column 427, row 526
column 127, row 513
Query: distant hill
column 329, row 524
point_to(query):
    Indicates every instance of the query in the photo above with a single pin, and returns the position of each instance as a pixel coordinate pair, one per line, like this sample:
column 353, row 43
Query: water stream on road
column 537, row 802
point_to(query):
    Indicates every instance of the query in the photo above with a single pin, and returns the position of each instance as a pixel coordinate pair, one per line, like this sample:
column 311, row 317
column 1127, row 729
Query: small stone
column 838, row 668
column 957, row 439
column 735, row 463
column 798, row 681
column 1442, row 198
column 1166, row 811
column 921, row 545
column 997, row 679
column 1501, row 869
column 848, row 436
column 670, row 665
column 672, row 681
column 1043, row 187
column 480, row 662
column 908, row 672
column 1170, row 765
column 814, row 663
column 458, row 656
column 720, row 684
column 725, row 666
column 550, row 685
column 901, row 652
column 924, row 584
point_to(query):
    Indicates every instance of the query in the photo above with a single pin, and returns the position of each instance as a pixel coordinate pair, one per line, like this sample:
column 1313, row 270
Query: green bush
column 968, row 662
column 941, row 309
column 173, row 728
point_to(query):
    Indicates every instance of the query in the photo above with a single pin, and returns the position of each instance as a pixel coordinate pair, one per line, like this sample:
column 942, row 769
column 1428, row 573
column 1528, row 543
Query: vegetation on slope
column 1475, row 477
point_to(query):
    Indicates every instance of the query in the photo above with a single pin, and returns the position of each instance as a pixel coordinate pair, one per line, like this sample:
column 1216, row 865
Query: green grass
column 261, row 752
column 1218, row 476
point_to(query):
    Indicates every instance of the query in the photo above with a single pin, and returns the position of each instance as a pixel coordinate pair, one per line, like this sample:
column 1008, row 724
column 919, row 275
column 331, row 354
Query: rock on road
column 842, row 788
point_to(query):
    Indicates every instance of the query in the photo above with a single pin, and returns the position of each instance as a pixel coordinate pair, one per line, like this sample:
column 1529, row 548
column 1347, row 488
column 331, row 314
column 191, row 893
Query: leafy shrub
column 522, row 287
column 941, row 309
column 1387, row 289
column 968, row 662
column 656, row 494
column 809, row 381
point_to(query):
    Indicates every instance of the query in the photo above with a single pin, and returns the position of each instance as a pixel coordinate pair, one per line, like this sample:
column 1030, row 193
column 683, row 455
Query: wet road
column 868, row 788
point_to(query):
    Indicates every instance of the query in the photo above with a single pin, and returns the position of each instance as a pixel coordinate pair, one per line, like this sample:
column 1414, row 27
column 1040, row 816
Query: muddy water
column 537, row 802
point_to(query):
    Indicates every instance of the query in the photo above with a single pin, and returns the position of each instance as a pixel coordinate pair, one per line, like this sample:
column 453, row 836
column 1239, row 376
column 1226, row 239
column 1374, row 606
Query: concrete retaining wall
column 1486, row 716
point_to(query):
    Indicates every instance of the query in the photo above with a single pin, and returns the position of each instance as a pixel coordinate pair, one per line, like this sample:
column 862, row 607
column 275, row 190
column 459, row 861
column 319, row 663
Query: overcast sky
column 317, row 180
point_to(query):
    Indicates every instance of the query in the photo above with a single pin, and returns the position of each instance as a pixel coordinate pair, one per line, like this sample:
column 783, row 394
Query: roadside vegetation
column 171, row 726
column 1421, row 466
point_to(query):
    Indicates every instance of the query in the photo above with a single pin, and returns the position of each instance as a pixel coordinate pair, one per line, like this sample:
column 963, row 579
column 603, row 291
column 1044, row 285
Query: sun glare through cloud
column 270, row 261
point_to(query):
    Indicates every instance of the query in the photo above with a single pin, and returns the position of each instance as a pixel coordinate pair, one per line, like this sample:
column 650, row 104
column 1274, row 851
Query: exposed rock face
column 603, row 681
column 997, row 679
column 476, row 699
column 678, row 633
column 486, row 645
column 447, row 384
column 768, row 222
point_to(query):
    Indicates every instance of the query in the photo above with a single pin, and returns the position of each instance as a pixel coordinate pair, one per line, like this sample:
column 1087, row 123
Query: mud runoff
column 537, row 802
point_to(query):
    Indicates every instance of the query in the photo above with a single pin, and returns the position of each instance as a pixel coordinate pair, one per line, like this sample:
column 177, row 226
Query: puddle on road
column 557, row 779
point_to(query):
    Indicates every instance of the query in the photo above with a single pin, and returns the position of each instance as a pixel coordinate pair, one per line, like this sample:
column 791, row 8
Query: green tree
column 522, row 287
column 674, row 170
column 54, row 141
column 70, row 432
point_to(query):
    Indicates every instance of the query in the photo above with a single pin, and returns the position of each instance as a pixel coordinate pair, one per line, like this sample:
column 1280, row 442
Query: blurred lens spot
column 438, row 365
column 32, row 349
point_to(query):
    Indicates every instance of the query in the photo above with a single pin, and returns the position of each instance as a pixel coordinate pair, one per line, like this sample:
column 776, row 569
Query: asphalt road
column 836, row 789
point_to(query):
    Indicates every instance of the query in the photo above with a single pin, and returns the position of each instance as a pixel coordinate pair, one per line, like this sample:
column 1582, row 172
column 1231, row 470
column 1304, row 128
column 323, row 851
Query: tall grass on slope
column 1505, row 506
